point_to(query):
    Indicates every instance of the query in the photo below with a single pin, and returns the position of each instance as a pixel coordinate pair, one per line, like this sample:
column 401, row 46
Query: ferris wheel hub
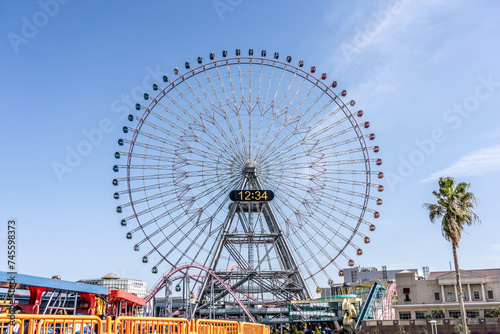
column 250, row 168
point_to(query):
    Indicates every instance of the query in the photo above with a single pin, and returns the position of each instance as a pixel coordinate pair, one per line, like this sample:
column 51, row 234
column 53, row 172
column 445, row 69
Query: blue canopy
column 25, row 281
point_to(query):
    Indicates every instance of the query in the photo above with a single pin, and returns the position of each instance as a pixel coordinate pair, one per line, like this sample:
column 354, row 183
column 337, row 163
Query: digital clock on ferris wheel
column 251, row 195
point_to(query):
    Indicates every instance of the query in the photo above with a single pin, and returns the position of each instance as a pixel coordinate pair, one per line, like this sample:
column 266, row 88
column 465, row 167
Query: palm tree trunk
column 460, row 294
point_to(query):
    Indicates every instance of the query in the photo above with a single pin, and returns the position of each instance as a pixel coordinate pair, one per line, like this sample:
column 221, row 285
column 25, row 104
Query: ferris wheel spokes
column 191, row 146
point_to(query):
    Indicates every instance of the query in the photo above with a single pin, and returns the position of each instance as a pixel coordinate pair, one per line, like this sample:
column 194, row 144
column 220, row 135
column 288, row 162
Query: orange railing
column 52, row 324
column 251, row 328
column 207, row 326
column 8, row 327
column 147, row 325
column 68, row 324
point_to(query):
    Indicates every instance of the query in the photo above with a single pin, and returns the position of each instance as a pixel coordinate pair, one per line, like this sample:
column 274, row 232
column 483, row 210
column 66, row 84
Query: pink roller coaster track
column 161, row 283
column 388, row 301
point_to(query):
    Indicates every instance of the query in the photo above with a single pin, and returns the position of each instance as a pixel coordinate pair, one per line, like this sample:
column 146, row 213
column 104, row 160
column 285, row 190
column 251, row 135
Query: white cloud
column 478, row 162
column 386, row 31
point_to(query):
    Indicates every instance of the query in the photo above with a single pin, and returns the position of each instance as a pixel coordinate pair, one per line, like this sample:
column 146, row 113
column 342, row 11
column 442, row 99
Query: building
column 363, row 276
column 368, row 275
column 437, row 296
column 113, row 282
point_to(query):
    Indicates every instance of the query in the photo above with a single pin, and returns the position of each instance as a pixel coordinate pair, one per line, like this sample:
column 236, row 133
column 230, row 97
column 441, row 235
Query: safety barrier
column 251, row 328
column 207, row 326
column 69, row 324
column 52, row 324
column 147, row 325
column 7, row 328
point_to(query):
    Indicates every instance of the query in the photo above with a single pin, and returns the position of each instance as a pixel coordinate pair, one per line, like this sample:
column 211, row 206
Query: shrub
column 400, row 330
column 495, row 311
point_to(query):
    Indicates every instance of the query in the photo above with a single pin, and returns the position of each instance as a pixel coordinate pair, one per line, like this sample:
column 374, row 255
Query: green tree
column 455, row 209
column 496, row 311
column 347, row 329
column 400, row 329
column 438, row 313
column 458, row 329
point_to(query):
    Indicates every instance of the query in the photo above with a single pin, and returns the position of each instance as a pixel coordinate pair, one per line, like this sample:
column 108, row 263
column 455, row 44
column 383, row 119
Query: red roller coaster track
column 161, row 283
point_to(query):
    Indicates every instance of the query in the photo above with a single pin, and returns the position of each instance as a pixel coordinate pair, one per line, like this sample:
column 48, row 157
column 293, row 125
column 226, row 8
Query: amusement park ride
column 40, row 295
column 250, row 176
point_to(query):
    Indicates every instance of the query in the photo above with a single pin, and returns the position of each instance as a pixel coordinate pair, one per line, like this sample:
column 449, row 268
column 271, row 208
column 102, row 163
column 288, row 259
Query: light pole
column 433, row 326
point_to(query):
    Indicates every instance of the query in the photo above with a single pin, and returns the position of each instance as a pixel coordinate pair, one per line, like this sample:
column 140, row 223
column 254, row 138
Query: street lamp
column 433, row 326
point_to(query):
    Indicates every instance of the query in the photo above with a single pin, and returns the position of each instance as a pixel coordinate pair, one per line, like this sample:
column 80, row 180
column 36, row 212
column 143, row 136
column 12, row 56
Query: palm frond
column 454, row 206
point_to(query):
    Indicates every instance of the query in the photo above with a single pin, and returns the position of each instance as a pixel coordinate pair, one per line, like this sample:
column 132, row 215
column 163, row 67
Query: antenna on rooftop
column 425, row 269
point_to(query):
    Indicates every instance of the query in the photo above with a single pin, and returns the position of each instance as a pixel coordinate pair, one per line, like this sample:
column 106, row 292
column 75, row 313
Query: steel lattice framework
column 193, row 143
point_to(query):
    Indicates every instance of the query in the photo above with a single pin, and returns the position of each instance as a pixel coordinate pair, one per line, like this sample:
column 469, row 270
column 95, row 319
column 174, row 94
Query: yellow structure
column 351, row 314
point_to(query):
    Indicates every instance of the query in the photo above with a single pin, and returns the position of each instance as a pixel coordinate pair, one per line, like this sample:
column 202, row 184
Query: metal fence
column 68, row 324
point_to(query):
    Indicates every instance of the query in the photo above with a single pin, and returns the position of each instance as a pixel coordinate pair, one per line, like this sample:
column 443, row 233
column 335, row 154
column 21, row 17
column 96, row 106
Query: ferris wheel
column 258, row 126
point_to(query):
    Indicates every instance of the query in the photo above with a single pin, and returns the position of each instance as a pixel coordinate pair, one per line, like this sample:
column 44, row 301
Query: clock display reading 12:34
column 251, row 195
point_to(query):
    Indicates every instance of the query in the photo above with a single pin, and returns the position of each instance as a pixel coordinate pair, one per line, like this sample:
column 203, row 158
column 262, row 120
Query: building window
column 420, row 315
column 404, row 315
column 476, row 295
column 449, row 296
column 472, row 314
column 455, row 314
column 464, row 294
column 407, row 297
column 490, row 294
column 436, row 296
column 438, row 313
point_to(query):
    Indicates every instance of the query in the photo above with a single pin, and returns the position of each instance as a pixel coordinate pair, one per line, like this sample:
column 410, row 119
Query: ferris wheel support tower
column 268, row 242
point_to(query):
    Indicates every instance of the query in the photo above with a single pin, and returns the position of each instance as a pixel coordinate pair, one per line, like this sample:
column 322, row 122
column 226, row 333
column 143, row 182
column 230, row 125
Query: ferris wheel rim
column 284, row 66
column 262, row 62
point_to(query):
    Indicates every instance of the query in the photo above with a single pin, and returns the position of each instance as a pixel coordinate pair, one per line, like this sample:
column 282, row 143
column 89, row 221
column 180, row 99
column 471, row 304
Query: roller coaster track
column 161, row 283
column 388, row 301
column 365, row 310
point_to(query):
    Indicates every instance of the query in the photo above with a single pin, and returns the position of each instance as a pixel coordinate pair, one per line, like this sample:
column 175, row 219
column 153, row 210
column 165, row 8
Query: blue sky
column 426, row 74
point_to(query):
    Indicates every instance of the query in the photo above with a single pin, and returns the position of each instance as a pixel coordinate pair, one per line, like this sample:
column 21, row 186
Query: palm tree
column 454, row 208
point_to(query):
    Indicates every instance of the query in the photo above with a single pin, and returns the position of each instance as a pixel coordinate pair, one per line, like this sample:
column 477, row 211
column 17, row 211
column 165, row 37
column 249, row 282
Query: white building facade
column 437, row 296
